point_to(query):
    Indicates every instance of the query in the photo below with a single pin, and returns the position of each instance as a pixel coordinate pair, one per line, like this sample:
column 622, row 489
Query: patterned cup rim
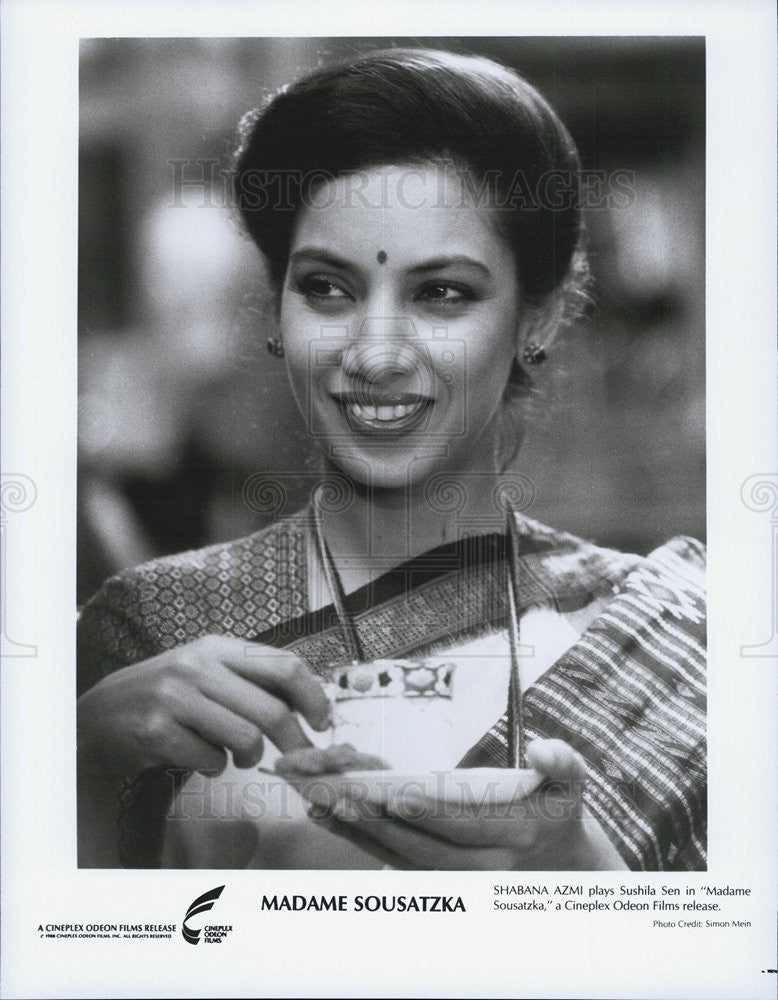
column 390, row 678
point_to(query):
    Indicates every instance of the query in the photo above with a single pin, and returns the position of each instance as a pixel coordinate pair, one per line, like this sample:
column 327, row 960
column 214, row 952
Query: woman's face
column 399, row 316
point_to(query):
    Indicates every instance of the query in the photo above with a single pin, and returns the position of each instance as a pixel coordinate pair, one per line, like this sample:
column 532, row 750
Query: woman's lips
column 392, row 413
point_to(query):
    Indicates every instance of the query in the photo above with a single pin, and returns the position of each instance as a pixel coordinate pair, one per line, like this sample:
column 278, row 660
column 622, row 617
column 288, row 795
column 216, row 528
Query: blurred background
column 182, row 412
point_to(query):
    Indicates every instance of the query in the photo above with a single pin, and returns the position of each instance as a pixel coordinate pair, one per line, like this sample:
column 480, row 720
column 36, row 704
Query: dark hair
column 417, row 106
column 420, row 106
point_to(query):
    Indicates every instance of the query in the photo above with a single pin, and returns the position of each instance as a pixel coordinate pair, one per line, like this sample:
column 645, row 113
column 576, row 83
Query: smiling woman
column 449, row 290
column 530, row 700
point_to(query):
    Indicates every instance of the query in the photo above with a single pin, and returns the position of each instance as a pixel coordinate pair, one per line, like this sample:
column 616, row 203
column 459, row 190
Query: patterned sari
column 621, row 677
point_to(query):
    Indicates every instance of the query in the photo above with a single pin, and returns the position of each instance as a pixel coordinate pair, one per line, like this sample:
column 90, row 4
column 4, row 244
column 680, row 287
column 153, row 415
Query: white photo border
column 353, row 954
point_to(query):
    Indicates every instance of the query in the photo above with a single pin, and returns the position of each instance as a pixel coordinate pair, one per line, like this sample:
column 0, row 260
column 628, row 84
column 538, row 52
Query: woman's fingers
column 194, row 753
column 420, row 850
column 556, row 760
column 469, row 834
column 311, row 761
column 137, row 717
column 354, row 835
column 262, row 692
column 222, row 727
column 277, row 671
column 506, row 825
column 254, row 709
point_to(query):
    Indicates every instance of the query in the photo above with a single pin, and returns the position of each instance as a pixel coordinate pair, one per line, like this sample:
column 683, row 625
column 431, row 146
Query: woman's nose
column 382, row 348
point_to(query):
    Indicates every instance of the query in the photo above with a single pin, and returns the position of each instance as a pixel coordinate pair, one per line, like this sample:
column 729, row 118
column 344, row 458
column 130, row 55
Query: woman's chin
column 374, row 474
column 411, row 464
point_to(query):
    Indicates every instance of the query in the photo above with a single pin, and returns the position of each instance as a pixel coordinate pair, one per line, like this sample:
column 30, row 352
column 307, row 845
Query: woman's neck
column 380, row 529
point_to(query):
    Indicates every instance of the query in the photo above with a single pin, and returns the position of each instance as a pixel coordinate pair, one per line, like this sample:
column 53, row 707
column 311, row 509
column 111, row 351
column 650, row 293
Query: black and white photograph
column 338, row 336
column 397, row 420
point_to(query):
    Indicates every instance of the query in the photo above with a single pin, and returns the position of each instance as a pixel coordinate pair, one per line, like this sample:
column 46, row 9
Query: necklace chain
column 350, row 635
column 355, row 651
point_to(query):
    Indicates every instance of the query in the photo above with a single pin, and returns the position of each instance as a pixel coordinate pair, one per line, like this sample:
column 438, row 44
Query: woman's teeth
column 383, row 412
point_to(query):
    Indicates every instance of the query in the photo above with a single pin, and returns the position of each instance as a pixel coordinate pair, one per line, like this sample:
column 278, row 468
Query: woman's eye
column 317, row 287
column 444, row 293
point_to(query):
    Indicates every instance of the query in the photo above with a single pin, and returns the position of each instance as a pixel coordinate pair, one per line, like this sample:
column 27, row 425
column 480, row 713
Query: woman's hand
column 548, row 830
column 188, row 706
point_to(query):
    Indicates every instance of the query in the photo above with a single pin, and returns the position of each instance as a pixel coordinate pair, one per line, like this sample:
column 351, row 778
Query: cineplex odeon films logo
column 211, row 933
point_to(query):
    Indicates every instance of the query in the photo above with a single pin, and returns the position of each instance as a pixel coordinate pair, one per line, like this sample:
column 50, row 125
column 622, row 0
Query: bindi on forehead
column 381, row 256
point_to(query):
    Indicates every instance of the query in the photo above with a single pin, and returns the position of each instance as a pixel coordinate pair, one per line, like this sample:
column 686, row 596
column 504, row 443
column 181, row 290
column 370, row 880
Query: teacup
column 421, row 714
column 400, row 710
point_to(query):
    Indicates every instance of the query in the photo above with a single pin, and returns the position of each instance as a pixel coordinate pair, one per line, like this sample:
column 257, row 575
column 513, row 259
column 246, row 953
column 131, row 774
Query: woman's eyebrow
column 455, row 260
column 323, row 256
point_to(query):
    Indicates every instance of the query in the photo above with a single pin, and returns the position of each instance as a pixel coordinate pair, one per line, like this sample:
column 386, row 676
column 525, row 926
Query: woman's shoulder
column 283, row 541
column 240, row 587
column 670, row 581
column 565, row 563
column 571, row 568
column 684, row 553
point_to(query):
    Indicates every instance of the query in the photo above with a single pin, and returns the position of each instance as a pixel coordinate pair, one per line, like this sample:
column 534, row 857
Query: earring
column 533, row 354
column 275, row 347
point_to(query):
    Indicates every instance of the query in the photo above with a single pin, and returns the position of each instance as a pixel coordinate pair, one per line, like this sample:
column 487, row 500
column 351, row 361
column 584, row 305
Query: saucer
column 469, row 788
